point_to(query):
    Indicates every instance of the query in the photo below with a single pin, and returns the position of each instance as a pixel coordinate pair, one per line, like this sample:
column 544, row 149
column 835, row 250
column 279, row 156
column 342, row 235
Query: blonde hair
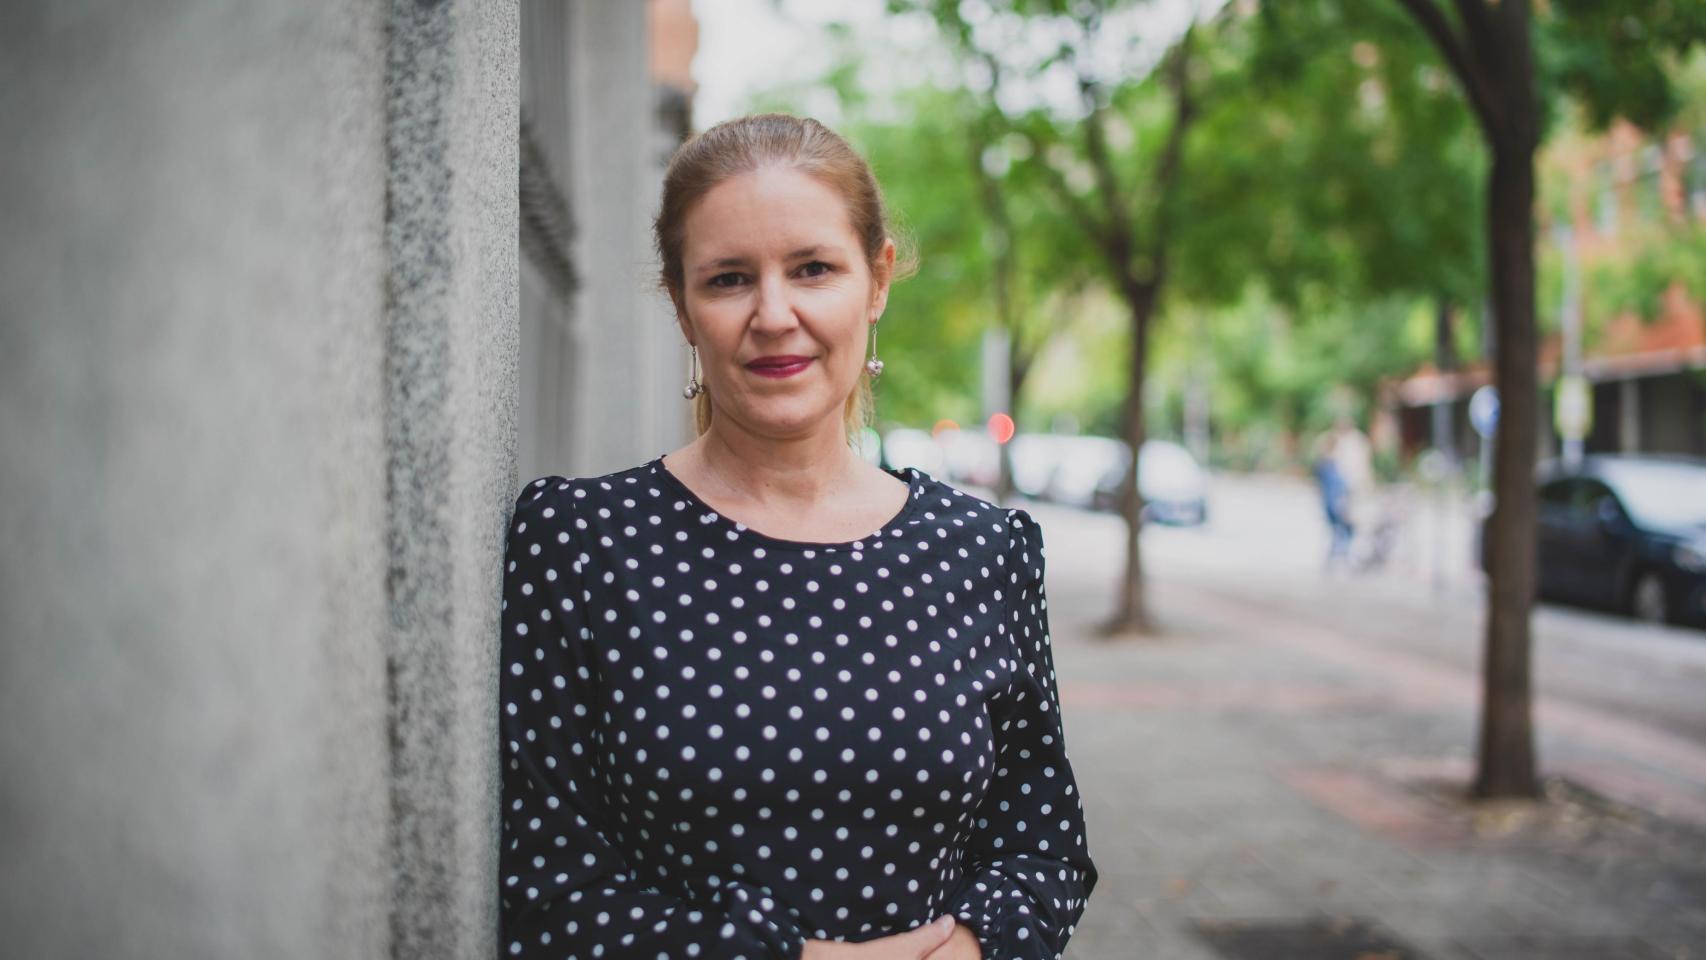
column 743, row 145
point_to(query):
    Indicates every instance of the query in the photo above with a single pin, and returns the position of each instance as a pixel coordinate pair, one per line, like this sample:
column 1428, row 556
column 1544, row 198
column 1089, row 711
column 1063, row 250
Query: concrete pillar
column 257, row 416
column 549, row 276
column 601, row 362
column 630, row 361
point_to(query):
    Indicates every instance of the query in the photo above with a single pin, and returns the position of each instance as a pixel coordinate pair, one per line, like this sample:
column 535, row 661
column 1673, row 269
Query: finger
column 931, row 935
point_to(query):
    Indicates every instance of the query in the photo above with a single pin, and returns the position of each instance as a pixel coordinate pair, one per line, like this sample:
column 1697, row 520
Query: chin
column 790, row 418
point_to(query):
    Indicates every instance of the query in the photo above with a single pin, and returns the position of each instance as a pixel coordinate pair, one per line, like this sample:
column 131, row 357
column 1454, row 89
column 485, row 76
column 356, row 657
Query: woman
column 760, row 698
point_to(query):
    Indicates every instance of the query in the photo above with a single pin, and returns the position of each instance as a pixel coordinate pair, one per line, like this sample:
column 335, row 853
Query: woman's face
column 778, row 296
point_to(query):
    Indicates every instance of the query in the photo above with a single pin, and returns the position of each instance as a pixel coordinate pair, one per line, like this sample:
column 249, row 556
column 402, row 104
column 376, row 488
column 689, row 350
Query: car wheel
column 1647, row 600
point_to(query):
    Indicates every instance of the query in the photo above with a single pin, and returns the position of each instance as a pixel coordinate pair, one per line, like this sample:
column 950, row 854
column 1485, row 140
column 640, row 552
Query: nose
column 774, row 310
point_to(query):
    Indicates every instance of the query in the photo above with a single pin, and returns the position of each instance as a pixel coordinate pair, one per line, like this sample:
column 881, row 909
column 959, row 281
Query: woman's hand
column 915, row 944
column 961, row 945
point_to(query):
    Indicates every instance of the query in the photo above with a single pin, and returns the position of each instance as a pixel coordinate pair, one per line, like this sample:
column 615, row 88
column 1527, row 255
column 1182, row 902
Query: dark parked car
column 1625, row 533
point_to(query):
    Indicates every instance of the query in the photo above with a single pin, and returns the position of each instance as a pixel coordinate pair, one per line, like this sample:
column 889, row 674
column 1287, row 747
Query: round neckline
column 912, row 477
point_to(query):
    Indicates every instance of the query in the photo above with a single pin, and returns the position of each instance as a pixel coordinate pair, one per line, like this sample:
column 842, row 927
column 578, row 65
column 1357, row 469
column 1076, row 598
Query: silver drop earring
column 874, row 365
column 694, row 387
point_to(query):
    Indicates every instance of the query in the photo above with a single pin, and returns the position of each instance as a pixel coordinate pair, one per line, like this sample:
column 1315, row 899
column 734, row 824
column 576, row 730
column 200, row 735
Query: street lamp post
column 1572, row 398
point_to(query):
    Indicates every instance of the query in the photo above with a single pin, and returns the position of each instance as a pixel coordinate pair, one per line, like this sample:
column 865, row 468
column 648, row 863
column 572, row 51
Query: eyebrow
column 801, row 253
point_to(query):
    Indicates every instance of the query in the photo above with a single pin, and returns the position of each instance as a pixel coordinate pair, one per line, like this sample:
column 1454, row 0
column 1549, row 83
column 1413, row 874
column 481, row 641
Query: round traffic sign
column 1484, row 411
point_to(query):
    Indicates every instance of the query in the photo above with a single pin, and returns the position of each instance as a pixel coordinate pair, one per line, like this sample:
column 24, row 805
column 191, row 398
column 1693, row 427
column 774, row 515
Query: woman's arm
column 1030, row 871
column 564, row 887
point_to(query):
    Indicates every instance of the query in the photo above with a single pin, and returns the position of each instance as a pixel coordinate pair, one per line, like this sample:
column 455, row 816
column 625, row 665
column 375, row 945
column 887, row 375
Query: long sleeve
column 565, row 888
column 1030, row 871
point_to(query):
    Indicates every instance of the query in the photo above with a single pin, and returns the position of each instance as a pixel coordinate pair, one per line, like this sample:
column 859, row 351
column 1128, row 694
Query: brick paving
column 1261, row 781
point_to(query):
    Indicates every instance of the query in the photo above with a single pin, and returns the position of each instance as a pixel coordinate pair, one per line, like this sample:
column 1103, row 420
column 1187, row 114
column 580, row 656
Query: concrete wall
column 602, row 360
column 630, row 361
column 258, row 364
column 550, row 278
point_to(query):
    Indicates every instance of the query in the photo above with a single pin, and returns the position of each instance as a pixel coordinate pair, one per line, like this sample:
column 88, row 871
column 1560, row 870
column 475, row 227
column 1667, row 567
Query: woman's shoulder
column 942, row 498
column 977, row 498
column 556, row 490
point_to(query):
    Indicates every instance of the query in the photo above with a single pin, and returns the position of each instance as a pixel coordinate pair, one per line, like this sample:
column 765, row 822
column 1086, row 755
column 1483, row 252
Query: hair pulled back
column 741, row 146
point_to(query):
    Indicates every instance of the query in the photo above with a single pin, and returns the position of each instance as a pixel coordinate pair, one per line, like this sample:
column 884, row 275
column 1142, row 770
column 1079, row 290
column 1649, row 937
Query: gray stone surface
column 603, row 363
column 257, row 426
column 549, row 384
column 630, row 360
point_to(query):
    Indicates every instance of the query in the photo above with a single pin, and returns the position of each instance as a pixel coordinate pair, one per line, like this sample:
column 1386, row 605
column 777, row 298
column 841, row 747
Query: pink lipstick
column 779, row 366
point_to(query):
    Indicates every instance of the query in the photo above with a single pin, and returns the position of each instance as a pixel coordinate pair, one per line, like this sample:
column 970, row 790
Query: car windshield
column 1661, row 494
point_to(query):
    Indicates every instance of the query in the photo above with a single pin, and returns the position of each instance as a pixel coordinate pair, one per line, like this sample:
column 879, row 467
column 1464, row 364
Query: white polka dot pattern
column 719, row 743
column 1028, row 838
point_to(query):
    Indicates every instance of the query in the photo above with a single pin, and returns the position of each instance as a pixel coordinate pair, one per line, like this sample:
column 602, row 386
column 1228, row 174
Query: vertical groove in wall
column 419, row 78
column 547, row 228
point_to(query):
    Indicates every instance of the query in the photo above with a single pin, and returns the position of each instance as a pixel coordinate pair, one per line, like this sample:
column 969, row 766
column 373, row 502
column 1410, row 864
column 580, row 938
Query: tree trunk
column 1132, row 614
column 1491, row 49
column 1506, row 765
column 1004, row 488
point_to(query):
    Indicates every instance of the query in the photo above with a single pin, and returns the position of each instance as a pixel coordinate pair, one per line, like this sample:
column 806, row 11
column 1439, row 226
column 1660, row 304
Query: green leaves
column 1332, row 161
column 1614, row 57
column 1331, row 189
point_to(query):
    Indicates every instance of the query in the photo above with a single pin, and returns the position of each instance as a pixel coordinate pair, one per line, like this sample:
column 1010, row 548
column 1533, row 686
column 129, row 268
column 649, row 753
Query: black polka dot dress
column 719, row 744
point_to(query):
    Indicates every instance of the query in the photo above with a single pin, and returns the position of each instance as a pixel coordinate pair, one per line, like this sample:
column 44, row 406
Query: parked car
column 1625, row 533
column 1091, row 469
column 1174, row 486
column 1034, row 457
column 972, row 457
column 1082, row 464
column 906, row 447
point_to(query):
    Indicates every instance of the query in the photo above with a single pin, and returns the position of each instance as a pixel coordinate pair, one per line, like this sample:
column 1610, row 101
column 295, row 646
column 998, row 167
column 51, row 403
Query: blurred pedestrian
column 759, row 696
column 1353, row 454
column 1335, row 503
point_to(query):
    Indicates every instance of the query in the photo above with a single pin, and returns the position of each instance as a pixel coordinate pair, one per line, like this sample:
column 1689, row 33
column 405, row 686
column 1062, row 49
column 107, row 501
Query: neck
column 802, row 470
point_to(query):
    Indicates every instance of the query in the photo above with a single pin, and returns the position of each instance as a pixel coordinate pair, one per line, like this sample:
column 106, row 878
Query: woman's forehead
column 772, row 210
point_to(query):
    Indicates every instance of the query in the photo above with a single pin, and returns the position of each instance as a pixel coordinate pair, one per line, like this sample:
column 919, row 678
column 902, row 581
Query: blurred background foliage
column 1328, row 204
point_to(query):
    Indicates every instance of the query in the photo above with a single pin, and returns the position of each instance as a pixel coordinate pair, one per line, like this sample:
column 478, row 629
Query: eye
column 815, row 268
column 725, row 280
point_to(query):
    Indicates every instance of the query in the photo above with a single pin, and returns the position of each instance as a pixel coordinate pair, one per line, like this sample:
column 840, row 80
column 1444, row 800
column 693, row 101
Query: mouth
column 779, row 366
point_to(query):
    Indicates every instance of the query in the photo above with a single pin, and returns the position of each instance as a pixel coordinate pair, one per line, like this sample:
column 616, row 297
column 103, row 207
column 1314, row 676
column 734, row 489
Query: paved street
column 1279, row 773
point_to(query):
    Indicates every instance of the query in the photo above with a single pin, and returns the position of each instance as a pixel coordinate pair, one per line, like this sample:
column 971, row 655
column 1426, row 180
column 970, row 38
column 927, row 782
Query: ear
column 882, row 276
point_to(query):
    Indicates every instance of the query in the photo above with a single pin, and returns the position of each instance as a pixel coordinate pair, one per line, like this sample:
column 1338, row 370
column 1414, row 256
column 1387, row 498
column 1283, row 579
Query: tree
column 991, row 252
column 1664, row 251
column 1612, row 54
column 1125, row 221
column 1330, row 165
column 936, row 319
column 1001, row 268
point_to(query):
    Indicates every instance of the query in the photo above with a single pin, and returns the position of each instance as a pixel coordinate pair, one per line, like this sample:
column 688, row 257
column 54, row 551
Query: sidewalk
column 1264, row 783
